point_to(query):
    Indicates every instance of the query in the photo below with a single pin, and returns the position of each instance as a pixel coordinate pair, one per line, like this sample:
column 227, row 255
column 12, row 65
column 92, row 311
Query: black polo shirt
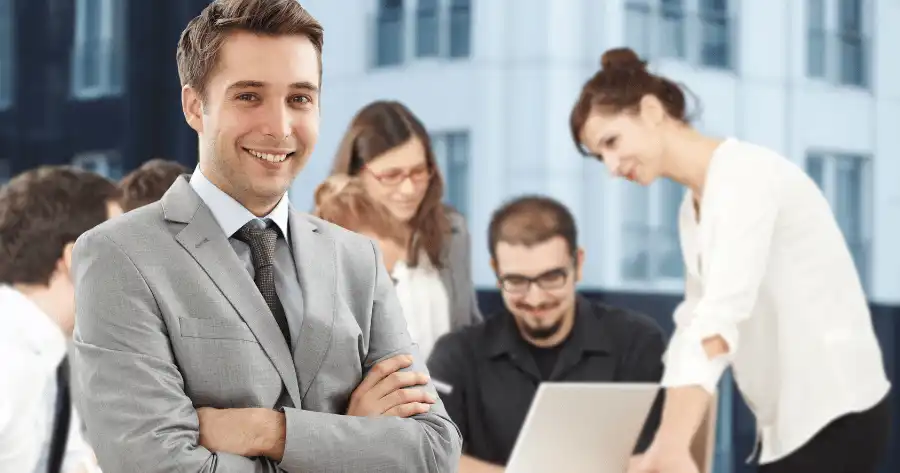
column 487, row 375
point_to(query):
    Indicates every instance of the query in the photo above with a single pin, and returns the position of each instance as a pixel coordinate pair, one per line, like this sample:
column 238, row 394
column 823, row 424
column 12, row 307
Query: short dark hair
column 43, row 210
column 201, row 41
column 148, row 183
column 530, row 220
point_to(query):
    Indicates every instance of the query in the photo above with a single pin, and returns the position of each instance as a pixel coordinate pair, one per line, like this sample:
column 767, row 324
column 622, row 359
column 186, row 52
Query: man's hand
column 244, row 432
column 661, row 459
column 382, row 391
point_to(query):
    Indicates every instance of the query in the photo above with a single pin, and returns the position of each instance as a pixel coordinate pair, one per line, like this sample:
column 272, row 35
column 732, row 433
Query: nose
column 277, row 121
column 535, row 295
column 613, row 163
column 407, row 187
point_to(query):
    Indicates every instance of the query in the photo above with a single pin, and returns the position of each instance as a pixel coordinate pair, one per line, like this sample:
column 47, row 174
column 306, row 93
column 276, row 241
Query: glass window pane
column 671, row 261
column 389, row 40
column 636, row 232
column 460, row 28
column 815, row 38
column 427, row 28
column 638, row 22
column 672, row 29
column 815, row 168
column 457, row 175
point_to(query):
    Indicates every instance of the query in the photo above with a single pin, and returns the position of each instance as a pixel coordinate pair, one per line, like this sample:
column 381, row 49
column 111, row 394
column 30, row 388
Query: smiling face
column 399, row 178
column 259, row 120
column 630, row 144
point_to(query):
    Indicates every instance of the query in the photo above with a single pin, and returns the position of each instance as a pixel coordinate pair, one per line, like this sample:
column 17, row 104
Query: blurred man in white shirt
column 42, row 213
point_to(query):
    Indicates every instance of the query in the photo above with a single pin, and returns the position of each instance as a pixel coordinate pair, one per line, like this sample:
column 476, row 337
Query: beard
column 537, row 332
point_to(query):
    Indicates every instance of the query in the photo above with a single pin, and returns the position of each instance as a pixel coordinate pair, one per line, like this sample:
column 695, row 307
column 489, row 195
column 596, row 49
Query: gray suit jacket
column 456, row 274
column 168, row 320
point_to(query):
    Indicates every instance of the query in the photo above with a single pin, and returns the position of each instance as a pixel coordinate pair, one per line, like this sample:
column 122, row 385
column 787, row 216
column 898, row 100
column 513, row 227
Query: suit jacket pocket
column 214, row 329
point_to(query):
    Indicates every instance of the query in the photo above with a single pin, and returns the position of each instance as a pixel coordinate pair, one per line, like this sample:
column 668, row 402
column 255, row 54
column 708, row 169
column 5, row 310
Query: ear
column 496, row 273
column 192, row 106
column 579, row 264
column 65, row 263
column 652, row 110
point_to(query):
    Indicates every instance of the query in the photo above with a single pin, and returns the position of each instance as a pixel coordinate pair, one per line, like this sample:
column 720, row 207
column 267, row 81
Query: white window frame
column 105, row 163
column 113, row 43
column 651, row 21
column 440, row 146
column 7, row 54
column 829, row 187
column 655, row 249
column 409, row 43
column 832, row 73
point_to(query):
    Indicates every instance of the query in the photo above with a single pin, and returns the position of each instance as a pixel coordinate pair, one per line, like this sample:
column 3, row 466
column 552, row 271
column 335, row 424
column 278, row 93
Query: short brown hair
column 378, row 128
column 620, row 84
column 341, row 200
column 202, row 39
column 148, row 183
column 530, row 220
column 43, row 210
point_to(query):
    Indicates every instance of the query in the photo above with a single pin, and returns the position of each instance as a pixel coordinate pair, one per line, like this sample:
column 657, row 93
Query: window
column 652, row 252
column 844, row 180
column 390, row 37
column 7, row 53
column 851, row 41
column 672, row 29
column 427, row 25
column 98, row 62
column 460, row 27
column 715, row 49
column 106, row 163
column 837, row 41
column 815, row 38
column 664, row 28
column 5, row 171
column 452, row 153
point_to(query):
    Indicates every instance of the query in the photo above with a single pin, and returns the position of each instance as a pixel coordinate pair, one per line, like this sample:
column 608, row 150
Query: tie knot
column 261, row 236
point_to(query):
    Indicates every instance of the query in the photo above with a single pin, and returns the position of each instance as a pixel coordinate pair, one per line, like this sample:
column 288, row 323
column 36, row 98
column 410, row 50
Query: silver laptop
column 582, row 427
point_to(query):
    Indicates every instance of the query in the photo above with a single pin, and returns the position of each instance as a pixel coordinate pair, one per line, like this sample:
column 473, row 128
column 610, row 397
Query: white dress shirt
column 31, row 348
column 769, row 271
column 423, row 298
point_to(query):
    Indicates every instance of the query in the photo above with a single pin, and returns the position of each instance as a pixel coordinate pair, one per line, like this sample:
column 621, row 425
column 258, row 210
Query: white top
column 31, row 348
column 424, row 301
column 769, row 271
column 231, row 214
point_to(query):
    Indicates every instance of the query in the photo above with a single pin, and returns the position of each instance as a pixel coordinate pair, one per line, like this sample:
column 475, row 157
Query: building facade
column 495, row 80
column 91, row 83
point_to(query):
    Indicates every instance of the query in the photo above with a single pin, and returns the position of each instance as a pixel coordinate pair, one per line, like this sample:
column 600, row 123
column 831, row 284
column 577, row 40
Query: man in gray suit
column 219, row 330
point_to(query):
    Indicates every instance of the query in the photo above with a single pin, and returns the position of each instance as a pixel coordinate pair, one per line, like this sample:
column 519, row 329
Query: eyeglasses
column 548, row 281
column 395, row 177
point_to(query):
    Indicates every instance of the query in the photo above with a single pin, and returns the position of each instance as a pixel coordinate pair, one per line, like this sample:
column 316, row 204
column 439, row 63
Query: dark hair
column 148, row 183
column 530, row 220
column 341, row 200
column 378, row 128
column 43, row 210
column 202, row 39
column 620, row 84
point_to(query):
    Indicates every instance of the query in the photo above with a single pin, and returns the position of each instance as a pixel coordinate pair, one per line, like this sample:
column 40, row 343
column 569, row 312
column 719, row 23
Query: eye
column 246, row 97
column 611, row 142
column 301, row 99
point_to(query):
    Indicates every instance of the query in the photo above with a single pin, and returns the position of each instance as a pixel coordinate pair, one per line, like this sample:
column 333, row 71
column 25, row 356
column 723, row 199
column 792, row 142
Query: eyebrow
column 255, row 84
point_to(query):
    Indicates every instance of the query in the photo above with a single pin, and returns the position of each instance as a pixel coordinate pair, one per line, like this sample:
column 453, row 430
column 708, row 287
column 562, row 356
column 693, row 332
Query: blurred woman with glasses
column 387, row 149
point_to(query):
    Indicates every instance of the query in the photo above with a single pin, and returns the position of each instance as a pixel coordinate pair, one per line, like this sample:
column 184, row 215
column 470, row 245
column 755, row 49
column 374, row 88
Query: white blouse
column 769, row 271
column 425, row 303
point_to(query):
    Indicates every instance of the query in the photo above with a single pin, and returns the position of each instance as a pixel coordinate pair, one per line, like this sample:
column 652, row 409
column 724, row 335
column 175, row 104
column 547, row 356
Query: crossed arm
column 140, row 419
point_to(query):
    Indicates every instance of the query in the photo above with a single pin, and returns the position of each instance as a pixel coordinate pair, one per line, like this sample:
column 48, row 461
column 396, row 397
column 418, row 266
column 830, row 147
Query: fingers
column 408, row 410
column 404, row 396
column 381, row 370
column 398, row 380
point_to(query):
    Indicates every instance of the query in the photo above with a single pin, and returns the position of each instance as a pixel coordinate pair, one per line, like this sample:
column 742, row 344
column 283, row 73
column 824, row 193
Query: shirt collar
column 230, row 214
column 30, row 327
column 588, row 331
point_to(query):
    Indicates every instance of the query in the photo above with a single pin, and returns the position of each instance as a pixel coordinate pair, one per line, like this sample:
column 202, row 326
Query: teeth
column 272, row 158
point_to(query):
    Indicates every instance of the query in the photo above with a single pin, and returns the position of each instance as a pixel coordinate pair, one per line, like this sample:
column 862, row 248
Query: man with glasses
column 488, row 373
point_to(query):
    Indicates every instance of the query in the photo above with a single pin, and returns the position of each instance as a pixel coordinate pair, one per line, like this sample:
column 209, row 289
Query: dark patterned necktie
column 262, row 248
column 61, row 420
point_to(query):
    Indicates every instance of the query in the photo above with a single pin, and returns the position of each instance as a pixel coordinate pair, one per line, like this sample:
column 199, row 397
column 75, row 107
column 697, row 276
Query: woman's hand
column 661, row 459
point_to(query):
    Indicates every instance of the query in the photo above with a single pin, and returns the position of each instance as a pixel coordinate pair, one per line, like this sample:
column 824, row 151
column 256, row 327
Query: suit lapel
column 314, row 257
column 204, row 239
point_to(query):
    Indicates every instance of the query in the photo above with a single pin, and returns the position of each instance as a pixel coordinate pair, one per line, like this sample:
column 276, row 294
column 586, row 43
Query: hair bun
column 623, row 59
